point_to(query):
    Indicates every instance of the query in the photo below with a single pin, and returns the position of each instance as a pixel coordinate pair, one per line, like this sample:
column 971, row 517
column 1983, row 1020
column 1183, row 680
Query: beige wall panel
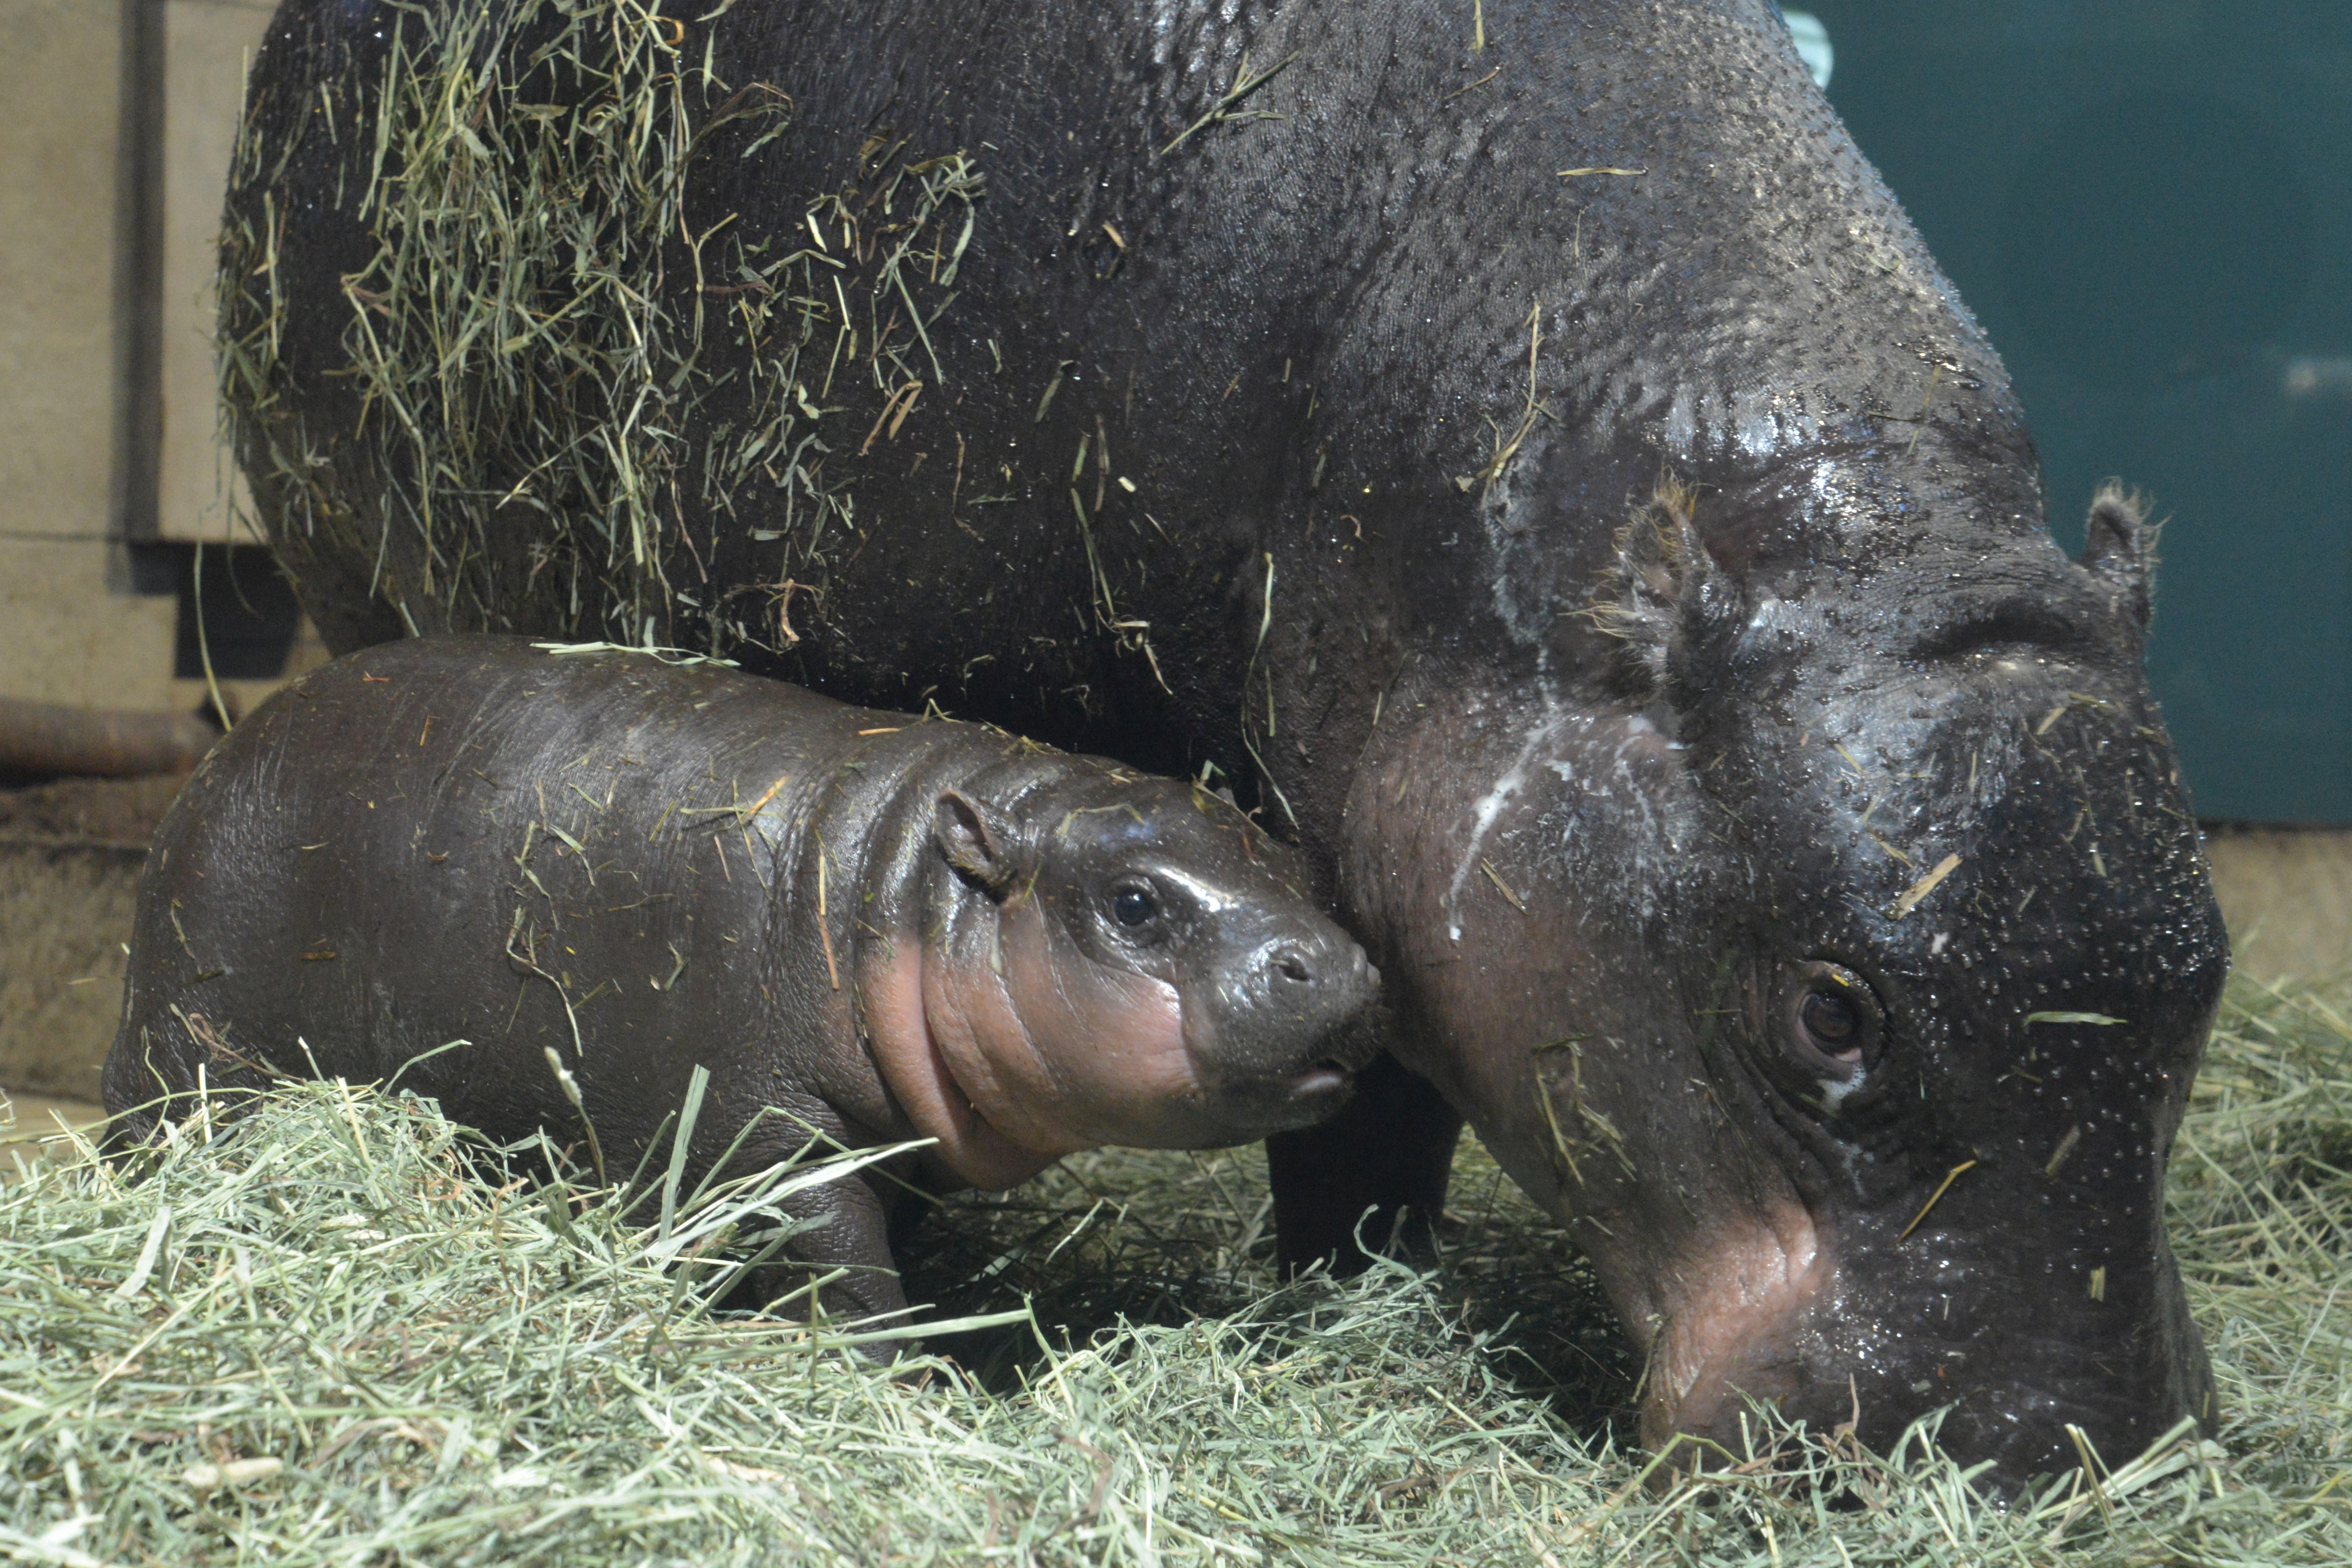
column 208, row 44
column 65, row 639
column 57, row 143
column 64, row 916
column 2286, row 894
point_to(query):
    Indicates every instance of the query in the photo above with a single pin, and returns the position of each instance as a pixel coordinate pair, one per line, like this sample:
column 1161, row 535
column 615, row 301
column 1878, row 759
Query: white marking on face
column 1834, row 1090
column 1682, row 422
column 1504, row 513
column 1755, row 428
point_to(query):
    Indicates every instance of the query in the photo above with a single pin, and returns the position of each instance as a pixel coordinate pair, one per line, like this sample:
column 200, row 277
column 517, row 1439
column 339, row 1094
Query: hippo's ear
column 1657, row 583
column 2119, row 549
column 976, row 842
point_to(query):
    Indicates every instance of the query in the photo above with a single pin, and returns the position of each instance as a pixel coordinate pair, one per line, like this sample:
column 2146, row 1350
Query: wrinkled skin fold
column 1556, row 480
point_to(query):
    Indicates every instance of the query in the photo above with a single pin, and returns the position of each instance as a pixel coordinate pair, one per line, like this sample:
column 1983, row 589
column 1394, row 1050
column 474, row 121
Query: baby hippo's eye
column 1133, row 906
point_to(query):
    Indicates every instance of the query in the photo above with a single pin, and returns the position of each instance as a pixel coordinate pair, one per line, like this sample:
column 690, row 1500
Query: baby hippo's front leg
column 842, row 1229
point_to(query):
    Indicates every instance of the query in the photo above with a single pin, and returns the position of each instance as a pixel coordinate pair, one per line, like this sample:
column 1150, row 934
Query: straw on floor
column 339, row 1332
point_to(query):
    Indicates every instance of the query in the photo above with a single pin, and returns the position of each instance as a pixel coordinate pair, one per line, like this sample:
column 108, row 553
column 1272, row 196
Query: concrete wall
column 66, row 633
column 105, row 263
column 206, row 45
column 80, row 303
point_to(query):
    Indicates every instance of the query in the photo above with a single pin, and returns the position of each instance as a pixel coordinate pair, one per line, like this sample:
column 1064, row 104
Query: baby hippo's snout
column 1302, row 975
column 1204, row 998
column 1291, row 1021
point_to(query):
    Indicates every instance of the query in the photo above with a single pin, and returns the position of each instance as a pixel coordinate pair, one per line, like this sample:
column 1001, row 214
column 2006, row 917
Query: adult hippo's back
column 1543, row 466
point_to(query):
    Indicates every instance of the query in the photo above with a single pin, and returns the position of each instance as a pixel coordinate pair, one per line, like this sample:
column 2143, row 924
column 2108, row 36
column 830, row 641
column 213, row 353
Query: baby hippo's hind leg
column 151, row 1075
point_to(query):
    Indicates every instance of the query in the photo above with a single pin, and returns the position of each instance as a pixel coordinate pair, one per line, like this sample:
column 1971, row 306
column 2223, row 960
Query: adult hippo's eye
column 1831, row 1020
column 1133, row 907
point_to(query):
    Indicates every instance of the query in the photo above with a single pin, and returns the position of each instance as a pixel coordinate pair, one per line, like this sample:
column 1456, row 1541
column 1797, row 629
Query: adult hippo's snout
column 1978, row 1254
column 2010, row 1368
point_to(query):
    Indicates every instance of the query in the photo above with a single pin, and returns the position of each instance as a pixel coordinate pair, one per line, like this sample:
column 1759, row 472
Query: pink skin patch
column 1008, row 1088
column 1729, row 1325
column 1098, row 1053
column 1719, row 1307
column 915, row 1066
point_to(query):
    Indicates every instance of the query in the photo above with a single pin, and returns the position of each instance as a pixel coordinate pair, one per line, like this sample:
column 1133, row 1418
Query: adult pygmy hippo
column 885, row 929
column 1784, row 867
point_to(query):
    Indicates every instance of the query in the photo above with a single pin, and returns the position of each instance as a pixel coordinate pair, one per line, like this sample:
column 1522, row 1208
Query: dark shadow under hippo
column 596, row 871
column 1525, row 446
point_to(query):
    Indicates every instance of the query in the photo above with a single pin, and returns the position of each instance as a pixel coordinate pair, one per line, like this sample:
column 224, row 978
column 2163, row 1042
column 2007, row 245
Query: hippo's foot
column 1373, row 1178
column 850, row 1302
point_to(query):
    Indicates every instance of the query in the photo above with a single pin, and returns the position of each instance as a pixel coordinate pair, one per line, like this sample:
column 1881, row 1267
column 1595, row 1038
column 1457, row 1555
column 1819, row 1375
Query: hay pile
column 341, row 1335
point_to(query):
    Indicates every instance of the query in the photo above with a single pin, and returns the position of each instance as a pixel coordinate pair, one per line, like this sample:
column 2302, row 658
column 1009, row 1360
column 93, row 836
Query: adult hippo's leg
column 1376, row 1173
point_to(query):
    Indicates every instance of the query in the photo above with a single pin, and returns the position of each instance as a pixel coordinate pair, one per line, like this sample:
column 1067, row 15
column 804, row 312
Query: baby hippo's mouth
column 1315, row 1083
column 1277, row 1038
column 1344, row 1053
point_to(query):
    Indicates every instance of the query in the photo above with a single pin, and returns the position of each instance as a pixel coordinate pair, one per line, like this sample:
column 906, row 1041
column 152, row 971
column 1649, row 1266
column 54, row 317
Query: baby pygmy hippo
column 886, row 928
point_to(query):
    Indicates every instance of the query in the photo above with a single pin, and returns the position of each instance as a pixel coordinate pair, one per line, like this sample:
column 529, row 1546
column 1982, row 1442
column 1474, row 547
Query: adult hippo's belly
column 1544, row 468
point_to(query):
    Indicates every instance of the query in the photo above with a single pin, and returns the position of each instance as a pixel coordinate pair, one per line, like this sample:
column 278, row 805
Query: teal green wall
column 2148, row 203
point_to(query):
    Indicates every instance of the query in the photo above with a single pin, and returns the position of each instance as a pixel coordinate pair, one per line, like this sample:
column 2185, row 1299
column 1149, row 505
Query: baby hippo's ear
column 976, row 841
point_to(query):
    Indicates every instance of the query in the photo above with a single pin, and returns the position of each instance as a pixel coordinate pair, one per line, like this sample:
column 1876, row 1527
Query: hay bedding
column 340, row 1332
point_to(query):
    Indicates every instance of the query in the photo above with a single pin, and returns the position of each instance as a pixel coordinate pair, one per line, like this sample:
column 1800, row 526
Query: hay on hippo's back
column 348, row 1341
column 534, row 416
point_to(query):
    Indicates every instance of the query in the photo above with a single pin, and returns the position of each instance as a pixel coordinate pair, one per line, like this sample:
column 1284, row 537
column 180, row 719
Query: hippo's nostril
column 1291, row 964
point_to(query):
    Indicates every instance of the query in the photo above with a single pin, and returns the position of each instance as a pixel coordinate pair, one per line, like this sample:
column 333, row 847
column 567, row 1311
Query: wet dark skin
column 1567, row 490
column 871, row 931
